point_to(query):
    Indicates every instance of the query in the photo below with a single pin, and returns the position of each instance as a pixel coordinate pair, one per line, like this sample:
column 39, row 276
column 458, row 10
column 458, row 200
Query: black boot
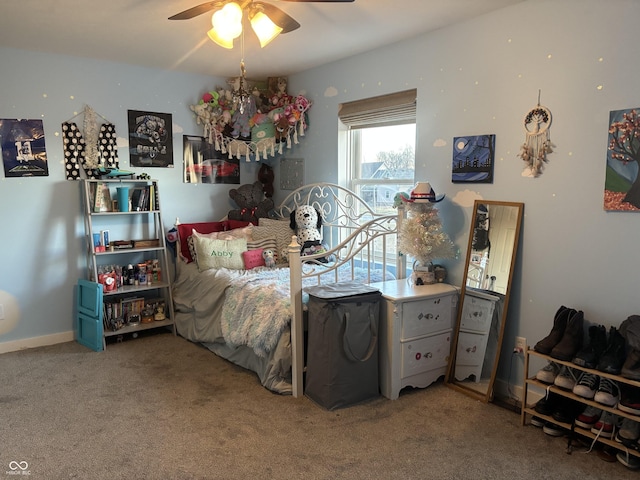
column 572, row 339
column 631, row 367
column 614, row 356
column 545, row 345
column 590, row 355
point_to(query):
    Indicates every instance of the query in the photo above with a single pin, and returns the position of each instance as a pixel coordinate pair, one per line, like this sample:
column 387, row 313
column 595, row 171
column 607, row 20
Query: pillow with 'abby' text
column 215, row 253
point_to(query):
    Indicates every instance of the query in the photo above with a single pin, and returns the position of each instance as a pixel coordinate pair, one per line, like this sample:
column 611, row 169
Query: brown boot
column 545, row 345
column 572, row 339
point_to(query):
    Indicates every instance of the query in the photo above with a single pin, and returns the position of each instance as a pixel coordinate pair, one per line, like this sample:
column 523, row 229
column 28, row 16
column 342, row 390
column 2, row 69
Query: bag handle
column 374, row 338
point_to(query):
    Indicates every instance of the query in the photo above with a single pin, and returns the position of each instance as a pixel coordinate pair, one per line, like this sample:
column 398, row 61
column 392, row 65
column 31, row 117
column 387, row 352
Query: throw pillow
column 253, row 259
column 278, row 229
column 214, row 253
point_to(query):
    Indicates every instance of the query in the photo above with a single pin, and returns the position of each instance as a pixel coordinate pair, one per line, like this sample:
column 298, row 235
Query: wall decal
column 622, row 182
column 473, row 159
column 23, row 148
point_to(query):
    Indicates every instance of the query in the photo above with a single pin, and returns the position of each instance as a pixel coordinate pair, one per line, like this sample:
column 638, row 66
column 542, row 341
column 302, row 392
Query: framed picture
column 150, row 139
column 622, row 182
column 23, row 148
column 204, row 164
column 473, row 158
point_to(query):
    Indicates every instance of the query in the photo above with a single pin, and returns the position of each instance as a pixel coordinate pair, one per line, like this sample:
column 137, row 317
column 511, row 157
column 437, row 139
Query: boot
column 590, row 355
column 614, row 356
column 545, row 345
column 631, row 366
column 572, row 339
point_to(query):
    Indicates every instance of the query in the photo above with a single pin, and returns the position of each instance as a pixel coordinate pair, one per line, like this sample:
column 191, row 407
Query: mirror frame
column 450, row 379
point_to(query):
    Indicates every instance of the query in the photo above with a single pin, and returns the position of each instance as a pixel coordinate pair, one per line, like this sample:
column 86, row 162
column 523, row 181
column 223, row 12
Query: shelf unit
column 136, row 226
column 531, row 381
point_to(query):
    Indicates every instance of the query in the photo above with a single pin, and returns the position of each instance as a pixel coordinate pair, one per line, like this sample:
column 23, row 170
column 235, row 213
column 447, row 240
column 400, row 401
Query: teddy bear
column 269, row 257
column 251, row 203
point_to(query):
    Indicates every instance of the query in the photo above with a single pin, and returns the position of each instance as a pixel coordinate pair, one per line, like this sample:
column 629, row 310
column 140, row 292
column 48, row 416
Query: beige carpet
column 160, row 407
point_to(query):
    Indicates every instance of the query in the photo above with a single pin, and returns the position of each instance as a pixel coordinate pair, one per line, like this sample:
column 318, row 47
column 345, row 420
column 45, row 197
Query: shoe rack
column 531, row 381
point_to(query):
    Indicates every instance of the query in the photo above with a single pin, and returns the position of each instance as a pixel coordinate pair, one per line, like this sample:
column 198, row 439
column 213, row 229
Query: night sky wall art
column 473, row 159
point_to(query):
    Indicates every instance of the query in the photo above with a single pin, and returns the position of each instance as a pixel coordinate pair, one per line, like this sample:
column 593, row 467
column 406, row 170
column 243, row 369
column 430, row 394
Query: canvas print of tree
column 473, row 159
column 622, row 182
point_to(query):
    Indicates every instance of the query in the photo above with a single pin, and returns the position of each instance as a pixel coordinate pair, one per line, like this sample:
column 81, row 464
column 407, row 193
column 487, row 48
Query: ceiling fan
column 267, row 20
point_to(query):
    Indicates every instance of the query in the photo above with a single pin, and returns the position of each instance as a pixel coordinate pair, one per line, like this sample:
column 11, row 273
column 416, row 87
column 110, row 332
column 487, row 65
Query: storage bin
column 342, row 351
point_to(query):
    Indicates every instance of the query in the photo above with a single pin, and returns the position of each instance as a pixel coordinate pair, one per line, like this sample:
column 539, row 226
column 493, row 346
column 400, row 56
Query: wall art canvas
column 473, row 159
column 622, row 182
column 150, row 139
column 204, row 164
column 23, row 148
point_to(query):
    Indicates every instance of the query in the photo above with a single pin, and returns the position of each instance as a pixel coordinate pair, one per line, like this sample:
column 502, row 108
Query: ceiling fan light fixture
column 264, row 28
column 220, row 40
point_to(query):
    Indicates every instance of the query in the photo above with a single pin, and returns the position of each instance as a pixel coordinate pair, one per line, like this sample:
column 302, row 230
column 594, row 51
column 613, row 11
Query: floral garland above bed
column 255, row 125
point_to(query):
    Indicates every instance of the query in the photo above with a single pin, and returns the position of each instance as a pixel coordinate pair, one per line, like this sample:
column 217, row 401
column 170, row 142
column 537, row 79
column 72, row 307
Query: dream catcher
column 537, row 143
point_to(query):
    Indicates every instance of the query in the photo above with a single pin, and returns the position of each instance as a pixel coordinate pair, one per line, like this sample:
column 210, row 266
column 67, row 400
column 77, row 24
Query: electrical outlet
column 520, row 345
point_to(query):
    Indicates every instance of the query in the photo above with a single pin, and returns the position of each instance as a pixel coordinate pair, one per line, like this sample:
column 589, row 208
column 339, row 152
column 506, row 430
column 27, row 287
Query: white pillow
column 215, row 253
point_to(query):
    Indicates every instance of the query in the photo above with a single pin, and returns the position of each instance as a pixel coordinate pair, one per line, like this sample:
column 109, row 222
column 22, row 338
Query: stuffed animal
column 266, row 176
column 269, row 257
column 306, row 222
column 251, row 203
column 241, row 119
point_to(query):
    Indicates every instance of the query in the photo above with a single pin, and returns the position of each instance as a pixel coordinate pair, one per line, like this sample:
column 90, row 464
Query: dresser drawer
column 471, row 347
column 425, row 354
column 426, row 316
column 477, row 314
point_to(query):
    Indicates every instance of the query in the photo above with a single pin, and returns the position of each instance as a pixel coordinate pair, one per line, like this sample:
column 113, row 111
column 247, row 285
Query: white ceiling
column 138, row 31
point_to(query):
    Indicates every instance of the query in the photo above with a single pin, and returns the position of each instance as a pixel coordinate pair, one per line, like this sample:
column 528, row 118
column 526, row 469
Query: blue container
column 123, row 198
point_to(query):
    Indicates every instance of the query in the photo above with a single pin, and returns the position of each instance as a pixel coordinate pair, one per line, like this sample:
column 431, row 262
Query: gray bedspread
column 243, row 316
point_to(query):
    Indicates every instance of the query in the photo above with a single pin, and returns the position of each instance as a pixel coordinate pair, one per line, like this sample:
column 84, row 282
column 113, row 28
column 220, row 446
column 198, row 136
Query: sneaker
column 587, row 385
column 566, row 378
column 549, row 373
column 537, row 422
column 628, row 433
column 608, row 393
column 554, row 430
column 567, row 410
column 628, row 460
column 604, row 426
column 589, row 417
column 547, row 404
column 630, row 400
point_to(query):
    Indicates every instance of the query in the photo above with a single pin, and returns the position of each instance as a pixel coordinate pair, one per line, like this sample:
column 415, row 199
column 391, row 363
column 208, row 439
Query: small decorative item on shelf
column 421, row 235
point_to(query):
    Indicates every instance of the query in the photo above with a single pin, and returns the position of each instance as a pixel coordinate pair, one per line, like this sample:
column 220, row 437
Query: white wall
column 482, row 77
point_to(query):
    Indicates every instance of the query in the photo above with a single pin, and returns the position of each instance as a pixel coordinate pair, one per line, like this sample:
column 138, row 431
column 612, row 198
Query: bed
column 255, row 317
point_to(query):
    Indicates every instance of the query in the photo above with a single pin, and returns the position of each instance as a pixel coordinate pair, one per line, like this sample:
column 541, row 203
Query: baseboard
column 512, row 394
column 33, row 342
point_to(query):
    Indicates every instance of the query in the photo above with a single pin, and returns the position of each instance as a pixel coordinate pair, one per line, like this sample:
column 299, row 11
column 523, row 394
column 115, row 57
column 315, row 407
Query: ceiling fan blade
column 277, row 16
column 197, row 10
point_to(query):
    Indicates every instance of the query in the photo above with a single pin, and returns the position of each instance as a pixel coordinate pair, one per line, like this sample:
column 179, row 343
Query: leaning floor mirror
column 484, row 297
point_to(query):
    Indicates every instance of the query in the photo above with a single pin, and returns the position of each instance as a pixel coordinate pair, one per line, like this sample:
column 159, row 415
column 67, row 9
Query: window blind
column 392, row 109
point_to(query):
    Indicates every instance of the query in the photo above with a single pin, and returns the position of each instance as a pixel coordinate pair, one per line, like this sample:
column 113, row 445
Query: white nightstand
column 416, row 325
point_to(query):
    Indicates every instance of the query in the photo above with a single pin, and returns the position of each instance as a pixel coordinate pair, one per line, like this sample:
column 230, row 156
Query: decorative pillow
column 243, row 232
column 214, row 253
column 185, row 231
column 253, row 259
column 266, row 244
column 278, row 229
column 233, row 224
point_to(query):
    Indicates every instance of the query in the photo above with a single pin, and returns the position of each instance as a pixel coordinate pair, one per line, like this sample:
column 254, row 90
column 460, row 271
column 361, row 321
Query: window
column 381, row 147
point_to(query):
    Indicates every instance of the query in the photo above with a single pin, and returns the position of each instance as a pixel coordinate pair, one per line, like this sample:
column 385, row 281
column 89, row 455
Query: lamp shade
column 264, row 28
column 217, row 38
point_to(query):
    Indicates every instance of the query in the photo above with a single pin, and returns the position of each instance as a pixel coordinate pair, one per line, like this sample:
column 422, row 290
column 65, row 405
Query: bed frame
column 359, row 236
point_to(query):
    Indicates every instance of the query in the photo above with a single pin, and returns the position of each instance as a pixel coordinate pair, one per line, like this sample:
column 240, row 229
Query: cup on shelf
column 123, row 198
